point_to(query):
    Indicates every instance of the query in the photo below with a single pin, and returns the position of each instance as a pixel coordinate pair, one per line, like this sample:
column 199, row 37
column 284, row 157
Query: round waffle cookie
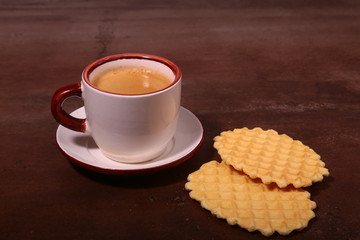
column 232, row 195
column 270, row 157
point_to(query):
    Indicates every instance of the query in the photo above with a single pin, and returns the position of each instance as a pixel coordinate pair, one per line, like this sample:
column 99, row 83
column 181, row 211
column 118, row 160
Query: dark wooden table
column 289, row 66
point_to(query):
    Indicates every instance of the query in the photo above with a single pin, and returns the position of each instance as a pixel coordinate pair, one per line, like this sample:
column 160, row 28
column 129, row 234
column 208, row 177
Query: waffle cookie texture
column 258, row 183
column 232, row 195
column 270, row 157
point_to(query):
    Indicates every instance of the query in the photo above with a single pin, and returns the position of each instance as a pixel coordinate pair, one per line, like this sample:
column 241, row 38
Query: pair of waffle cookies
column 258, row 184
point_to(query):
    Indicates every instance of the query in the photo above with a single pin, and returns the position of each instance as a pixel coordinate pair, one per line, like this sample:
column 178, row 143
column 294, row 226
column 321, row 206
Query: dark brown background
column 292, row 66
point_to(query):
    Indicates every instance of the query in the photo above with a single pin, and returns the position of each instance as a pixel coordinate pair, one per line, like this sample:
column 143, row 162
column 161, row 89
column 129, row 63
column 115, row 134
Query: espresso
column 131, row 80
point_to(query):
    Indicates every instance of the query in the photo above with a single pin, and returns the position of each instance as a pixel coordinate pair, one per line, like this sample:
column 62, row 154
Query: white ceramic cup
column 127, row 128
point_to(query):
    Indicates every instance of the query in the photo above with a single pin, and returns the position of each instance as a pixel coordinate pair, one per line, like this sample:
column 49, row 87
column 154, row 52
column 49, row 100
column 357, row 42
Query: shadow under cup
column 132, row 128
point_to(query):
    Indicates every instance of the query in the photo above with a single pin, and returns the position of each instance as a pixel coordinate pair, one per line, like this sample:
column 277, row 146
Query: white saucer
column 81, row 149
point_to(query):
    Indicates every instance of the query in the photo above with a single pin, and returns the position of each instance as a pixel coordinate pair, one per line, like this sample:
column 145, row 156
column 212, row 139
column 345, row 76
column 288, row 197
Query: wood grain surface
column 291, row 66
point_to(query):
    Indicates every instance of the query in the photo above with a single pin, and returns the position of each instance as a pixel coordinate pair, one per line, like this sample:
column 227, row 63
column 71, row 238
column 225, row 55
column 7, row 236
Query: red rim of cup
column 174, row 68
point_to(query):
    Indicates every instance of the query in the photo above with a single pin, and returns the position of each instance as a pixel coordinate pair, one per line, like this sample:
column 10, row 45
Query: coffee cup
column 131, row 103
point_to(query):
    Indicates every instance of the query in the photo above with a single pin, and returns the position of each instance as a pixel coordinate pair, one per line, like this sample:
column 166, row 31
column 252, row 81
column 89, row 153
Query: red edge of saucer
column 135, row 171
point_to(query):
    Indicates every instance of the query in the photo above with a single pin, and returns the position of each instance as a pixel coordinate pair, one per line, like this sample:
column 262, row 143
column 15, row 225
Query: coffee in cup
column 131, row 103
column 131, row 80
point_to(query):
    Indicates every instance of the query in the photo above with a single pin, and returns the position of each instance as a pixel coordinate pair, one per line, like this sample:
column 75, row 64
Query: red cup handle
column 59, row 113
